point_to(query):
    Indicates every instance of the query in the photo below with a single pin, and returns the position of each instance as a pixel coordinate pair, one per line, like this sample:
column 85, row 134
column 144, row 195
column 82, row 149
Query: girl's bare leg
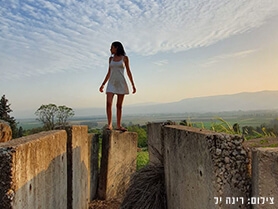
column 120, row 100
column 109, row 101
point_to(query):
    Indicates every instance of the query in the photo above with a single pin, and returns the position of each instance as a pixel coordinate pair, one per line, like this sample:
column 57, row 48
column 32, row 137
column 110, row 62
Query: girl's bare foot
column 121, row 129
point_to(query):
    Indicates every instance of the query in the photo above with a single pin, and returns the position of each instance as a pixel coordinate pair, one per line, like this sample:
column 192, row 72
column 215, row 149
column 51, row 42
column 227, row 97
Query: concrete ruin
column 118, row 163
column 5, row 131
column 264, row 178
column 31, row 167
column 59, row 169
column 204, row 169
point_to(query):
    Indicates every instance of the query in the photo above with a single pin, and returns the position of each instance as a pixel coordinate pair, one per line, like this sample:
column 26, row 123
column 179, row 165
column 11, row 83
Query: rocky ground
column 103, row 204
column 262, row 142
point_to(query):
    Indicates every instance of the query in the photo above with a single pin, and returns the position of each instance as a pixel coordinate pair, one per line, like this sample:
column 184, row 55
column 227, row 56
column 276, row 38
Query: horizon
column 83, row 112
column 175, row 115
column 57, row 51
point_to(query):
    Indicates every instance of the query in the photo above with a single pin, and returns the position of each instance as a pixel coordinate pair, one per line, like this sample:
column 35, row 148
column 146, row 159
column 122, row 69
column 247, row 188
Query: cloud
column 231, row 56
column 40, row 37
column 161, row 62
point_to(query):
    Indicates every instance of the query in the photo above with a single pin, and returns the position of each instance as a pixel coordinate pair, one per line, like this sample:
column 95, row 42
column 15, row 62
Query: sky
column 57, row 51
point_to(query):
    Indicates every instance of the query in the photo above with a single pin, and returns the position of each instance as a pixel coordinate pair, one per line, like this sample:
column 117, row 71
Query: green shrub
column 142, row 159
column 142, row 134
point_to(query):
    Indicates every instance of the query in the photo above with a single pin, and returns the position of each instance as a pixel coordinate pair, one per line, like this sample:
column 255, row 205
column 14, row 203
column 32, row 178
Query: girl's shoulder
column 125, row 58
column 110, row 59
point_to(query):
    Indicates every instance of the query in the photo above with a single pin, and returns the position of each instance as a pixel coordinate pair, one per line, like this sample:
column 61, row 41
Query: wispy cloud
column 161, row 62
column 38, row 37
column 230, row 56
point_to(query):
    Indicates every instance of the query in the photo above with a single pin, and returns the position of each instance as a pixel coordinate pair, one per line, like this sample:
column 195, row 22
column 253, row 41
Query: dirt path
column 103, row 204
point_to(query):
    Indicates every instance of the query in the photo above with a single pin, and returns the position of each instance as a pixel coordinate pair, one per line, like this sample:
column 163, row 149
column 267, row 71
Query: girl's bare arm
column 106, row 78
column 129, row 74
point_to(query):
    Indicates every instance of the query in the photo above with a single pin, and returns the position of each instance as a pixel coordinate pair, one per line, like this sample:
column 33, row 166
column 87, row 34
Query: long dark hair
column 120, row 48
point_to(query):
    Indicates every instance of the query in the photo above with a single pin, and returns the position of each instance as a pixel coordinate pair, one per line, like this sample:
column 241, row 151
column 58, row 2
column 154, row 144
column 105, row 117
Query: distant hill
column 246, row 101
column 264, row 100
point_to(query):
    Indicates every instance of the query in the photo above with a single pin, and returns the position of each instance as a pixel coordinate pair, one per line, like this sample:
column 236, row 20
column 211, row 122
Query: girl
column 117, row 83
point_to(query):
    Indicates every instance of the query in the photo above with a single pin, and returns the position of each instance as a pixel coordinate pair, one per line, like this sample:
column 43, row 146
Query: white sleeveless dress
column 117, row 83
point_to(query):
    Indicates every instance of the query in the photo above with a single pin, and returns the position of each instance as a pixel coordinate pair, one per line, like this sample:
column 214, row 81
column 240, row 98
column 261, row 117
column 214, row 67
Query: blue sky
column 57, row 51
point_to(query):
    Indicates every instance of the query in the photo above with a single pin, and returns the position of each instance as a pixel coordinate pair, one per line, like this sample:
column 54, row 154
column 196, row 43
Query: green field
column 201, row 120
column 29, row 123
column 247, row 118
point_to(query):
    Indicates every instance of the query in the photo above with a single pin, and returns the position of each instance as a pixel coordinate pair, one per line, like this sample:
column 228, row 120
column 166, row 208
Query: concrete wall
column 118, row 163
column 155, row 142
column 202, row 167
column 46, row 170
column 78, row 167
column 93, row 140
column 189, row 170
column 264, row 178
column 33, row 171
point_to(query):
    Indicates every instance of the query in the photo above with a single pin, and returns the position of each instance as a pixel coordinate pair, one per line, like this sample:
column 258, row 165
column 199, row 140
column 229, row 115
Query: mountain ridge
column 243, row 101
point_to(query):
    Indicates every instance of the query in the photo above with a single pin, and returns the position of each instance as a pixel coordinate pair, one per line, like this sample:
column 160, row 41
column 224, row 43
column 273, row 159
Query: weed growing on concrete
column 146, row 189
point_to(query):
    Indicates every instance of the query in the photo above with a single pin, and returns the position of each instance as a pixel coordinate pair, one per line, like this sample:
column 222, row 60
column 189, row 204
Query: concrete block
column 264, row 178
column 34, row 172
column 118, row 163
column 93, row 140
column 78, row 167
column 155, row 142
column 201, row 165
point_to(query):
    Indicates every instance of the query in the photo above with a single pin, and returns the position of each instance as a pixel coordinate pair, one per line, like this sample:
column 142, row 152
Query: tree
column 46, row 114
column 20, row 131
column 63, row 114
column 52, row 116
column 5, row 111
